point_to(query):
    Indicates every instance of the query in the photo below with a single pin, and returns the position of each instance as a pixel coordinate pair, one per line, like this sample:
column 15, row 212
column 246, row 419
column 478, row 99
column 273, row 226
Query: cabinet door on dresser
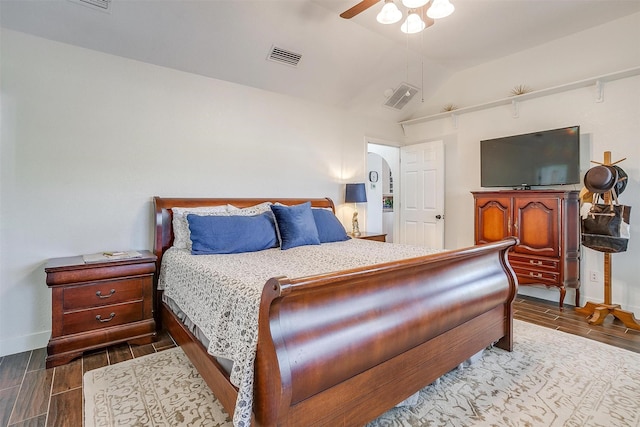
column 547, row 225
column 493, row 218
column 535, row 224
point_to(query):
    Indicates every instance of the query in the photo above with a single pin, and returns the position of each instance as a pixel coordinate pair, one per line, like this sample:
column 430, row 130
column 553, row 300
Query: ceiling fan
column 358, row 8
column 421, row 13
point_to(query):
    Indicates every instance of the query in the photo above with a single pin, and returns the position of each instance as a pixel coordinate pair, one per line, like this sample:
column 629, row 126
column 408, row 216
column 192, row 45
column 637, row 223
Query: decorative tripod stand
column 597, row 312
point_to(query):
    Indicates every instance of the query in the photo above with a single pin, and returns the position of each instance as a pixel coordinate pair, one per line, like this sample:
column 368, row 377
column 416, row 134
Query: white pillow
column 251, row 210
column 181, row 233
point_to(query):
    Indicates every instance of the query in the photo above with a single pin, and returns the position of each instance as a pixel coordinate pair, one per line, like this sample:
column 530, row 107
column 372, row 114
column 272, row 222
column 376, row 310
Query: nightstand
column 378, row 237
column 99, row 304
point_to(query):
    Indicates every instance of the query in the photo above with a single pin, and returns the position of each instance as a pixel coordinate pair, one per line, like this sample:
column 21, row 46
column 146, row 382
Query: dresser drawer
column 536, row 276
column 102, row 293
column 102, row 317
column 528, row 262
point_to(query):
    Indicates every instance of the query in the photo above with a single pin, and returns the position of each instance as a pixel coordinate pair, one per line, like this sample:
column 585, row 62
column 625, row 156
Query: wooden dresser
column 99, row 304
column 547, row 223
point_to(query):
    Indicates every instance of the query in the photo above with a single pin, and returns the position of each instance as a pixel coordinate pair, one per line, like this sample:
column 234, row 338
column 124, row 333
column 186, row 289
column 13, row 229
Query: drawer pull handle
column 537, row 275
column 535, row 262
column 111, row 292
column 100, row 319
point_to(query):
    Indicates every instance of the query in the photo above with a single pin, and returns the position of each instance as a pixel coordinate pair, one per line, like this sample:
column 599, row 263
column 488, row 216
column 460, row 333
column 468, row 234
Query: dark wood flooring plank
column 543, row 318
column 39, row 421
column 66, row 409
column 33, row 398
column 164, row 342
column 67, row 377
column 13, row 368
column 94, row 360
column 38, row 359
column 142, row 350
column 8, row 398
column 119, row 353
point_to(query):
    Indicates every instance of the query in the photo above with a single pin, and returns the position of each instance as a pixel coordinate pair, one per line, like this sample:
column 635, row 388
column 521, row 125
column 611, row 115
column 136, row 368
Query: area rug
column 550, row 379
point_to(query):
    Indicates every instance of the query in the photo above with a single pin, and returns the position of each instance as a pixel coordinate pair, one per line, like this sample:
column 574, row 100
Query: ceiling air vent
column 283, row 56
column 401, row 96
column 102, row 5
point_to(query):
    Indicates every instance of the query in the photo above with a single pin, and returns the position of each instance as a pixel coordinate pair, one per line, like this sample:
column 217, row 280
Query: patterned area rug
column 550, row 379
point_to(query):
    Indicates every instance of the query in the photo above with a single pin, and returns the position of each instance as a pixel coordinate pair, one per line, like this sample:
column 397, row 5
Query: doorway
column 380, row 214
column 417, row 205
column 385, row 160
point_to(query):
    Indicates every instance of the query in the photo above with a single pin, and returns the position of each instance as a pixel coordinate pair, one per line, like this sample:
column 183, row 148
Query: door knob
column 438, row 216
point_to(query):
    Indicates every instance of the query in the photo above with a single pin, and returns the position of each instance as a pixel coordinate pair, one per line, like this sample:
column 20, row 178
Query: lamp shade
column 355, row 193
column 413, row 24
column 440, row 9
column 414, row 4
column 390, row 14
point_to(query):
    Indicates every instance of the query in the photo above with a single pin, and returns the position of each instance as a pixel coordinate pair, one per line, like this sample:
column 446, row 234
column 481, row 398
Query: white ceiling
column 345, row 63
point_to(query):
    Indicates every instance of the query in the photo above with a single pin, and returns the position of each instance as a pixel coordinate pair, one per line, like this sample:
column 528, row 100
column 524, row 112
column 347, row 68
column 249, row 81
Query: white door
column 422, row 194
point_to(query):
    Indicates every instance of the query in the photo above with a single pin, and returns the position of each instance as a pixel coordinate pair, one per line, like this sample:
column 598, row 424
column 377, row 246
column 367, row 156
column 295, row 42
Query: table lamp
column 355, row 193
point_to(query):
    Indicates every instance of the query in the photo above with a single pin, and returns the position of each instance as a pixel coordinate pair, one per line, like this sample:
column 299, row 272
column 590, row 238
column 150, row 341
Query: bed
column 343, row 347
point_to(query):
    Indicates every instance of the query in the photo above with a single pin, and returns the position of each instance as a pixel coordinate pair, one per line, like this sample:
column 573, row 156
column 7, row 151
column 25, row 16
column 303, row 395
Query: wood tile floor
column 31, row 395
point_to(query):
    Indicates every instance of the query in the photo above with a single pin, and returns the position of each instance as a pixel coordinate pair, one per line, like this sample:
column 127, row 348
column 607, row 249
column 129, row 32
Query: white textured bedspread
column 221, row 293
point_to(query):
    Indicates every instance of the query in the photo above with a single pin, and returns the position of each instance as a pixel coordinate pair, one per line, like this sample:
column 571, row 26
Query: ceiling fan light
column 440, row 9
column 414, row 4
column 390, row 14
column 413, row 24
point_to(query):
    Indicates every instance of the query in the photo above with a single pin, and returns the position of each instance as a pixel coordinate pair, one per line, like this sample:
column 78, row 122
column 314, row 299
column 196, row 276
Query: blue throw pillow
column 329, row 227
column 231, row 234
column 296, row 225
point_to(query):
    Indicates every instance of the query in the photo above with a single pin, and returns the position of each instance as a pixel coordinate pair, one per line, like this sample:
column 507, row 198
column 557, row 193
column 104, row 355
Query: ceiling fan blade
column 360, row 7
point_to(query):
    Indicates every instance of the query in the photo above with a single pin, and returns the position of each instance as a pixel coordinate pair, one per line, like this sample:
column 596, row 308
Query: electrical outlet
column 594, row 276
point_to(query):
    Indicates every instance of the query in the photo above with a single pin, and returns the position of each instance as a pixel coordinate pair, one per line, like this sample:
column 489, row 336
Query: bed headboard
column 164, row 216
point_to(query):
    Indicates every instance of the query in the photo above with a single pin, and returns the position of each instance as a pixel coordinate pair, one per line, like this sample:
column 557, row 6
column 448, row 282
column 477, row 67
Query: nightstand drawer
column 99, row 294
column 103, row 317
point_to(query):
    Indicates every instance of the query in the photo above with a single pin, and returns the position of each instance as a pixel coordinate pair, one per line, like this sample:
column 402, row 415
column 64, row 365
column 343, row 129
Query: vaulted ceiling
column 350, row 64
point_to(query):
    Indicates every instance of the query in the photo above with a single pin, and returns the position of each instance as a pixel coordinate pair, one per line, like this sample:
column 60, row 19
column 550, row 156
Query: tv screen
column 550, row 157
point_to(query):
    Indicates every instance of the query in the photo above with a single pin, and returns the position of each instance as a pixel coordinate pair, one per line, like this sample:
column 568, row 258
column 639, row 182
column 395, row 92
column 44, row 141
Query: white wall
column 89, row 138
column 613, row 125
column 600, row 50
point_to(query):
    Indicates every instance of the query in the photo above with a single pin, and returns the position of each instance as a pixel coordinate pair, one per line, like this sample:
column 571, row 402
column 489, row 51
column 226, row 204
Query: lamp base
column 354, row 224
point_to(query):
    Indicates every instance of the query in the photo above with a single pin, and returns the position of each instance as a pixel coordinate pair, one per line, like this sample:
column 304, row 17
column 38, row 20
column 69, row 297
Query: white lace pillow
column 181, row 233
column 251, row 210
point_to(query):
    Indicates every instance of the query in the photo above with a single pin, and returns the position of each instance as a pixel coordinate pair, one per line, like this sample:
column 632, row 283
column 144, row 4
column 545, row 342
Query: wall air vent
column 283, row 56
column 401, row 96
column 102, row 5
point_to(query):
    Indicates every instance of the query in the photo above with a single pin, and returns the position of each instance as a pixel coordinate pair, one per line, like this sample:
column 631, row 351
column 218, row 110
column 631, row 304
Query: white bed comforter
column 221, row 294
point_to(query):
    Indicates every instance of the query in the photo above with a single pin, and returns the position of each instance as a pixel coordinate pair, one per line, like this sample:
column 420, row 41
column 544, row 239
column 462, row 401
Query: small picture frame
column 373, row 176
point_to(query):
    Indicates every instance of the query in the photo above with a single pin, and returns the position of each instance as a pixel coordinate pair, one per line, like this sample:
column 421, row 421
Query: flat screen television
column 550, row 157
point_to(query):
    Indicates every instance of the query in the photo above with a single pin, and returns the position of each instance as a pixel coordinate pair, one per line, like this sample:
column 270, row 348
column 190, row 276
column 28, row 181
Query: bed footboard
column 361, row 341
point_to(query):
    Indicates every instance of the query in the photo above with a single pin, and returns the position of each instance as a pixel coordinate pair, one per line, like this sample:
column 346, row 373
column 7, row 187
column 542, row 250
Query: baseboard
column 24, row 343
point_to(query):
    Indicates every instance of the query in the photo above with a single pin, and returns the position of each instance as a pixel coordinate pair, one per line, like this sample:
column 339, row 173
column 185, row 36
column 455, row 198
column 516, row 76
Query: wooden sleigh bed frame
column 406, row 324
